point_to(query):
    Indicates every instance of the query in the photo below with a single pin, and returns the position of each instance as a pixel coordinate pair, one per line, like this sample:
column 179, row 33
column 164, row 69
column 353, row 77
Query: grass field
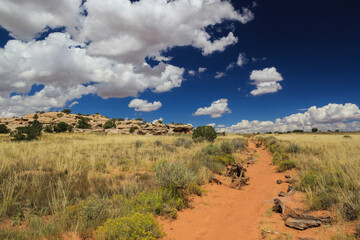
column 329, row 169
column 94, row 184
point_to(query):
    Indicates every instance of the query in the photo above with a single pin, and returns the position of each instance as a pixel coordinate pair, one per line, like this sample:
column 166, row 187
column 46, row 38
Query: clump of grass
column 138, row 144
column 226, row 147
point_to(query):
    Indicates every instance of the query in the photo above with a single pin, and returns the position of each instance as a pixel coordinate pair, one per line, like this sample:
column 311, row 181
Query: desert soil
column 226, row 213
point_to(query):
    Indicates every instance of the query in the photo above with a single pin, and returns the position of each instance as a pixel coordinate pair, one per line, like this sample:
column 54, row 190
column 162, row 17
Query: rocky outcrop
column 96, row 122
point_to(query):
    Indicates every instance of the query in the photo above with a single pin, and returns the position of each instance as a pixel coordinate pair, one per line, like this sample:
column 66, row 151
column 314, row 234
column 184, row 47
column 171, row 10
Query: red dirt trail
column 226, row 213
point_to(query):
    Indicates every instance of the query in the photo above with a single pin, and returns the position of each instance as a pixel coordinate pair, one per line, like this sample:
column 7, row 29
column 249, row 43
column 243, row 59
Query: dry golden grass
column 329, row 167
column 94, row 176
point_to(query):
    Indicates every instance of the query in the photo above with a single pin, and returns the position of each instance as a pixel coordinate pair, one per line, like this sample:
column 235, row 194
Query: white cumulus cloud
column 242, row 60
column 345, row 117
column 104, row 51
column 266, row 81
column 220, row 75
column 201, row 69
column 217, row 109
column 141, row 105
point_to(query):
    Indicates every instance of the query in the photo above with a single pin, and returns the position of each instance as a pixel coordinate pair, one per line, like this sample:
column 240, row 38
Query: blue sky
column 312, row 46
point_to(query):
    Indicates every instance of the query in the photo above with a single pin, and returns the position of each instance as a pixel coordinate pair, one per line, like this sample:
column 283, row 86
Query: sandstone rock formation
column 96, row 122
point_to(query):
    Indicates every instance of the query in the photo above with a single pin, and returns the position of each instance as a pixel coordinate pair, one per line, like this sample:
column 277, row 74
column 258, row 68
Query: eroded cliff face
column 97, row 121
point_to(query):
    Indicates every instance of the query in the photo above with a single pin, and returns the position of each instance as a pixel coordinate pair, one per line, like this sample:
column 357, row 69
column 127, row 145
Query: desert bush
column 225, row 159
column 138, row 144
column 293, row 148
column 48, row 129
column 285, row 165
column 109, row 124
column 61, row 127
column 173, row 175
column 132, row 130
column 27, row 133
column 226, row 147
column 211, row 150
column 4, row 129
column 66, row 111
column 186, row 143
column 205, row 132
column 168, row 148
column 179, row 142
column 314, row 130
column 158, row 143
column 132, row 227
column 83, row 123
column 239, row 144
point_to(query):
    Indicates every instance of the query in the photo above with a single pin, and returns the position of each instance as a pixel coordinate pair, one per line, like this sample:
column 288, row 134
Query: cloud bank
column 103, row 51
column 217, row 109
column 330, row 117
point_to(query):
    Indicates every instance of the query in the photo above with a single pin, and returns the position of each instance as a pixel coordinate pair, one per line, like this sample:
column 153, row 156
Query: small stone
column 279, row 181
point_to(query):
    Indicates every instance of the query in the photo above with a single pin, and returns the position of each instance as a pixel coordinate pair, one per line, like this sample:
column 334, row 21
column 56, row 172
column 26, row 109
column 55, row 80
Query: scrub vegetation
column 103, row 186
column 328, row 167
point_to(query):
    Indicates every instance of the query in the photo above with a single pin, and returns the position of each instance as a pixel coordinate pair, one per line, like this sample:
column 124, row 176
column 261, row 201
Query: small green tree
column 4, row 128
column 48, row 129
column 61, row 127
column 139, row 119
column 314, row 129
column 109, row 124
column 36, row 117
column 205, row 132
column 27, row 133
column 120, row 119
column 132, row 130
column 66, row 111
column 84, row 123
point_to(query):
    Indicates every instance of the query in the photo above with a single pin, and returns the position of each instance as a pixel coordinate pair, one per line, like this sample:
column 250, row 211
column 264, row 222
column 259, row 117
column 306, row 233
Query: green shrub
column 211, row 150
column 239, row 144
column 158, row 143
column 133, row 227
column 138, row 144
column 132, row 130
column 285, row 165
column 226, row 147
column 225, row 159
column 120, row 119
column 168, row 148
column 61, row 127
column 4, row 129
column 293, row 148
column 83, row 123
column 27, row 133
column 48, row 129
column 314, row 130
column 309, row 180
column 109, row 124
column 66, row 111
column 173, row 175
column 183, row 142
column 205, row 132
column 179, row 142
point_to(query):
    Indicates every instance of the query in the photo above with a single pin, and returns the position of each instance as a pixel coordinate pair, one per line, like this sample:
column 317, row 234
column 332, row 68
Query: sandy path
column 226, row 213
